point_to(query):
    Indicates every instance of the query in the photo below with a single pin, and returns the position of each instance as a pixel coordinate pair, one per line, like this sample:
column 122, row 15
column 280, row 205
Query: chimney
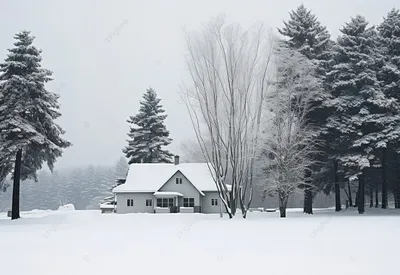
column 176, row 158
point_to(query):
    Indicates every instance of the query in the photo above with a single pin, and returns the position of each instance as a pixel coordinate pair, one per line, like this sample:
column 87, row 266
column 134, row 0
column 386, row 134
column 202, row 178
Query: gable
column 150, row 177
column 185, row 187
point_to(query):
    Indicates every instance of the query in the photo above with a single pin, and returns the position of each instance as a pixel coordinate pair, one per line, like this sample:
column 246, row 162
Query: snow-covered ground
column 87, row 242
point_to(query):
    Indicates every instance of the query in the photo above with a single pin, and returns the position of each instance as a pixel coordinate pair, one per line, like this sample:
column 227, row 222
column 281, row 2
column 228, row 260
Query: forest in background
column 84, row 187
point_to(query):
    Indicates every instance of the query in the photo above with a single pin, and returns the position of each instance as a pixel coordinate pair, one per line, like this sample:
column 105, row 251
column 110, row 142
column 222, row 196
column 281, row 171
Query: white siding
column 139, row 203
column 186, row 189
column 206, row 203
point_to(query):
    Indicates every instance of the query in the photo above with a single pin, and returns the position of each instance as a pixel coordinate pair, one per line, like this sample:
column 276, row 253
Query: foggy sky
column 105, row 54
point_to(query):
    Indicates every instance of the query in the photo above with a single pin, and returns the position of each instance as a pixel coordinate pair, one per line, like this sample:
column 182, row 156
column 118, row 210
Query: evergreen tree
column 362, row 118
column 90, row 184
column 389, row 32
column 306, row 34
column 29, row 135
column 121, row 168
column 389, row 75
column 148, row 134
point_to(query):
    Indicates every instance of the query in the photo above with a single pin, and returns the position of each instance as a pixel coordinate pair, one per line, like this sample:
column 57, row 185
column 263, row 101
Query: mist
column 105, row 54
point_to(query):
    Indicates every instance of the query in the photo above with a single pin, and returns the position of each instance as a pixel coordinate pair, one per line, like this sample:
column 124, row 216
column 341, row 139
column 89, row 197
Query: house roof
column 150, row 177
column 161, row 194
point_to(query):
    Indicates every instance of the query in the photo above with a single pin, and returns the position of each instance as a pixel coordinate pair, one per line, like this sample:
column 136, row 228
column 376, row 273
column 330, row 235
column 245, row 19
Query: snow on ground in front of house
column 87, row 242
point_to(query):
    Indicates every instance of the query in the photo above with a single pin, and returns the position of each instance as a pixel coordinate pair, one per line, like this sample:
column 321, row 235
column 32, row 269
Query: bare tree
column 289, row 142
column 229, row 70
column 191, row 151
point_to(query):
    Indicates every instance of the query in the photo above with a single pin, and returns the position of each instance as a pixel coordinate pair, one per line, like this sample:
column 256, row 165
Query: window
column 188, row 202
column 149, row 202
column 214, row 202
column 129, row 202
column 178, row 180
column 165, row 202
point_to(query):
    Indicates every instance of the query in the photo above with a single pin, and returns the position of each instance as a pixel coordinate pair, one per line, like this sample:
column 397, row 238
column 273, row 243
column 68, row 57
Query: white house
column 168, row 188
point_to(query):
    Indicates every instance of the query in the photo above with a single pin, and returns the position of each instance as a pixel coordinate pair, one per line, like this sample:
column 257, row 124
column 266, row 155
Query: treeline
column 85, row 188
column 356, row 117
column 331, row 109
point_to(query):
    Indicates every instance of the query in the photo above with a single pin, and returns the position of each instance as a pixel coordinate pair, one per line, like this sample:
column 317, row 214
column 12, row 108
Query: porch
column 171, row 202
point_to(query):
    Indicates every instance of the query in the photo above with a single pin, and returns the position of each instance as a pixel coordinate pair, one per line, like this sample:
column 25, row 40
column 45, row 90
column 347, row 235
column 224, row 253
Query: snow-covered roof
column 109, row 198
column 160, row 194
column 106, row 206
column 150, row 177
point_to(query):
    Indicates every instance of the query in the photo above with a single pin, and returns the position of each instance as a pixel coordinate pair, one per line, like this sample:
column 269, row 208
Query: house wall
column 206, row 203
column 186, row 189
column 139, row 203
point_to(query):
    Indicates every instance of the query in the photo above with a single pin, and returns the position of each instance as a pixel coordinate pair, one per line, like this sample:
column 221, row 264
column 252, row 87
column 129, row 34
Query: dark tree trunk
column 357, row 202
column 371, row 196
column 376, row 195
column 361, row 194
column 396, row 195
column 308, row 197
column 231, row 204
column 384, row 184
column 397, row 198
column 338, row 204
column 282, row 206
column 350, row 196
column 396, row 192
column 16, row 186
column 308, row 200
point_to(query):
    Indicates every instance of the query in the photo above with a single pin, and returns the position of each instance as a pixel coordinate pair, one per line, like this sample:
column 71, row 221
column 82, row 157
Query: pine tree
column 389, row 31
column 28, row 134
column 307, row 35
column 363, row 120
column 389, row 75
column 148, row 134
column 121, row 168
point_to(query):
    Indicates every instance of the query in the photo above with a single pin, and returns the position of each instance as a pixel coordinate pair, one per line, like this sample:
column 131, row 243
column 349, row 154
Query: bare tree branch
column 229, row 69
column 289, row 143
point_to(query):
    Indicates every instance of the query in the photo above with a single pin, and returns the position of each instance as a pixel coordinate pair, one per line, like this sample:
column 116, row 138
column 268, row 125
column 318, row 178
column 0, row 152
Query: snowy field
column 87, row 242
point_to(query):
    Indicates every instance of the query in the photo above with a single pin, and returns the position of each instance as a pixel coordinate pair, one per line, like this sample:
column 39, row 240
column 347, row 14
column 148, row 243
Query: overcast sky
column 101, row 76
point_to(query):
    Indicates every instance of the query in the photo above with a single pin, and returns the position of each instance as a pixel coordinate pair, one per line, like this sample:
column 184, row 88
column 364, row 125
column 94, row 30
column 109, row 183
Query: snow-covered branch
column 289, row 143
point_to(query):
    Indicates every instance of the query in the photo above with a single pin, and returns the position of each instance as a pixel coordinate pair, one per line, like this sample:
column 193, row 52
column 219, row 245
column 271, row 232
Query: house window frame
column 188, row 202
column 214, row 202
column 129, row 202
column 178, row 180
column 165, row 202
column 149, row 202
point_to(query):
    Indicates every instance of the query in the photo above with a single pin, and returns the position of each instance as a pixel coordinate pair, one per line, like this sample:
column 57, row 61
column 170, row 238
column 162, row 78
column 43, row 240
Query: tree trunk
column 282, row 205
column 308, row 200
column 396, row 198
column 357, row 202
column 231, row 214
column 361, row 194
column 376, row 195
column 16, row 186
column 384, row 184
column 245, row 207
column 338, row 203
column 308, row 197
column 396, row 195
column 396, row 192
column 350, row 197
column 371, row 196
